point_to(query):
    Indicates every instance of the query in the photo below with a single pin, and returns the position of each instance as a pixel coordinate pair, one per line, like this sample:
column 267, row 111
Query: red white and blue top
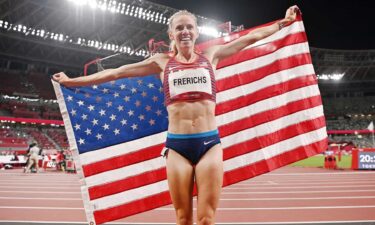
column 189, row 82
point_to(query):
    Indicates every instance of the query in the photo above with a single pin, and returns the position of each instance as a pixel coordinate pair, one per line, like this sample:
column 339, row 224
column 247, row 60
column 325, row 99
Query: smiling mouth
column 185, row 39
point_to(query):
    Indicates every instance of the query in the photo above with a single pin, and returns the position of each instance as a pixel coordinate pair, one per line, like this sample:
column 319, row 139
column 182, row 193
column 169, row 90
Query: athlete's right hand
column 61, row 77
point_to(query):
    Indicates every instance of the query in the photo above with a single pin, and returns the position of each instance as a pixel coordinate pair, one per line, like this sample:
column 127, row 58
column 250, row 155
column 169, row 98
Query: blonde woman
column 194, row 152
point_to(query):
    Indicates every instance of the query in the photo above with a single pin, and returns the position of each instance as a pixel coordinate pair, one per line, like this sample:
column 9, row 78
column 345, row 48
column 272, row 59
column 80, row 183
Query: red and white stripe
column 269, row 114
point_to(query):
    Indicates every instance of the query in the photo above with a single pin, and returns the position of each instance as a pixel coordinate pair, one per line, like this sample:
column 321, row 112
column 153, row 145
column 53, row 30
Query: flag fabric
column 371, row 126
column 269, row 113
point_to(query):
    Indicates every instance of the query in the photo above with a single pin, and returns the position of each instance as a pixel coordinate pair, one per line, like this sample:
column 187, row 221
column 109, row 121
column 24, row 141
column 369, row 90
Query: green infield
column 318, row 161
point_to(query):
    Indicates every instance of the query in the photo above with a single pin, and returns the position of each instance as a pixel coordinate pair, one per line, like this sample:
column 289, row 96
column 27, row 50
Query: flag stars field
column 106, row 126
column 94, row 122
column 81, row 141
column 116, row 131
column 102, row 112
column 120, row 108
column 77, row 126
column 88, row 131
column 134, row 126
column 84, row 117
column 113, row 117
column 80, row 103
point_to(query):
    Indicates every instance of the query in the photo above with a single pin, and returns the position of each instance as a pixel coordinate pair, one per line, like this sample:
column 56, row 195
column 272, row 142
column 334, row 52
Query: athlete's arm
column 222, row 51
column 143, row 68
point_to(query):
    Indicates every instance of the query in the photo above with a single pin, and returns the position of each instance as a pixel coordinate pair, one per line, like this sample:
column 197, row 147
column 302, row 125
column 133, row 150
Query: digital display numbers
column 366, row 160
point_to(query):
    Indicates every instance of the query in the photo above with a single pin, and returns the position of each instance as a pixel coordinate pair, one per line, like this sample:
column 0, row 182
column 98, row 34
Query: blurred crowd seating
column 26, row 83
column 349, row 106
column 47, row 138
column 29, row 108
column 348, row 124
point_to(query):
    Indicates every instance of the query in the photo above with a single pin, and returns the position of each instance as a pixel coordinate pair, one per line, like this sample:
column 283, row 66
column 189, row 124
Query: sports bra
column 189, row 82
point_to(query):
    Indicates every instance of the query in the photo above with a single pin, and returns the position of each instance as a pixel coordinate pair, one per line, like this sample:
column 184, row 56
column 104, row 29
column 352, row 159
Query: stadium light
column 79, row 2
column 337, row 76
column 116, row 7
column 210, row 31
column 41, row 33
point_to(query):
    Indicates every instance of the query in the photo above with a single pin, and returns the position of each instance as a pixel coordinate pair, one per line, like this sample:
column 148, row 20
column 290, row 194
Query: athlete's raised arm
column 146, row 67
column 219, row 52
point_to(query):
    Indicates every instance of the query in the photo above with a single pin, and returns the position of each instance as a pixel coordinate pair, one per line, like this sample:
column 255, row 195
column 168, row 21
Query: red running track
column 288, row 195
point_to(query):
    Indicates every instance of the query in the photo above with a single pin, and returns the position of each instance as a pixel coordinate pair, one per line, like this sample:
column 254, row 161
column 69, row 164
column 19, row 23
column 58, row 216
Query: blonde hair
column 172, row 44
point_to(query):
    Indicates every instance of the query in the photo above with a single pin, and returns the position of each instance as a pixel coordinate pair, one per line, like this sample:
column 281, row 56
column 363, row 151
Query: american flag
column 269, row 113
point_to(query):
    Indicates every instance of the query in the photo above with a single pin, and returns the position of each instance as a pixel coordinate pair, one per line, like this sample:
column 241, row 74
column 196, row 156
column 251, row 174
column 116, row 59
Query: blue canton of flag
column 116, row 112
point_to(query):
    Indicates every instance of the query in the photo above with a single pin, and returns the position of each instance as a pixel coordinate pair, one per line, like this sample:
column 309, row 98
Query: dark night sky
column 329, row 24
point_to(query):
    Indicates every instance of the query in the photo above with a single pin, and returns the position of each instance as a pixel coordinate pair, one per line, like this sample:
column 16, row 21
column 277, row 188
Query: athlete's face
column 184, row 31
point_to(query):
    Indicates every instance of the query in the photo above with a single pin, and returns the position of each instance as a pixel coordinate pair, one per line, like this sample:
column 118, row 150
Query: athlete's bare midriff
column 191, row 117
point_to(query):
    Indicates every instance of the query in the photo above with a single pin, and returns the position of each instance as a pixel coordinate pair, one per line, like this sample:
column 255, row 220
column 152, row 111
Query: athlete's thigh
column 180, row 174
column 209, row 179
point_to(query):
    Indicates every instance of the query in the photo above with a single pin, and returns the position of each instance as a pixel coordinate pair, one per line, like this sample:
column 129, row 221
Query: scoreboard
column 363, row 159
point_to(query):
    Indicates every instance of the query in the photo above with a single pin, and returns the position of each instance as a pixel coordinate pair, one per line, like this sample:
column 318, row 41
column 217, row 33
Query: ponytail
column 173, row 48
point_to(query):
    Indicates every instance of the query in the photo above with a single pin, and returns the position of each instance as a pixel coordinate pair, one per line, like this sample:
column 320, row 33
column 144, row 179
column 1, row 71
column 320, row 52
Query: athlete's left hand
column 291, row 13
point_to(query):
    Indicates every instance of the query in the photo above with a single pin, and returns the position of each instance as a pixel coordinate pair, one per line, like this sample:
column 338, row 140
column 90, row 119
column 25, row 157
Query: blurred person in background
column 33, row 155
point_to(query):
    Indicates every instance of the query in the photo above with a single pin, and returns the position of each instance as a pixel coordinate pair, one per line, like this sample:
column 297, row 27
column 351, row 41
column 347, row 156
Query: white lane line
column 221, row 199
column 349, row 222
column 47, row 208
column 40, row 174
column 292, row 192
column 293, row 187
column 28, row 188
column 304, row 222
column 54, row 192
column 220, row 209
column 321, row 173
column 253, row 182
column 48, row 184
column 225, row 188
column 168, row 223
column 248, row 192
column 294, row 198
column 269, row 183
column 272, row 182
column 303, row 181
column 42, row 199
column 323, row 179
column 283, row 208
column 42, row 222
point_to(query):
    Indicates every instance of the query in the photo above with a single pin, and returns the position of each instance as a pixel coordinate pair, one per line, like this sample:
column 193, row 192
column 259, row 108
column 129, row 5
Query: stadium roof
column 354, row 64
column 69, row 34
column 64, row 34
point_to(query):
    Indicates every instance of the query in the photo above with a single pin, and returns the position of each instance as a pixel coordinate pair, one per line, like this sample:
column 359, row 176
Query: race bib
column 189, row 80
